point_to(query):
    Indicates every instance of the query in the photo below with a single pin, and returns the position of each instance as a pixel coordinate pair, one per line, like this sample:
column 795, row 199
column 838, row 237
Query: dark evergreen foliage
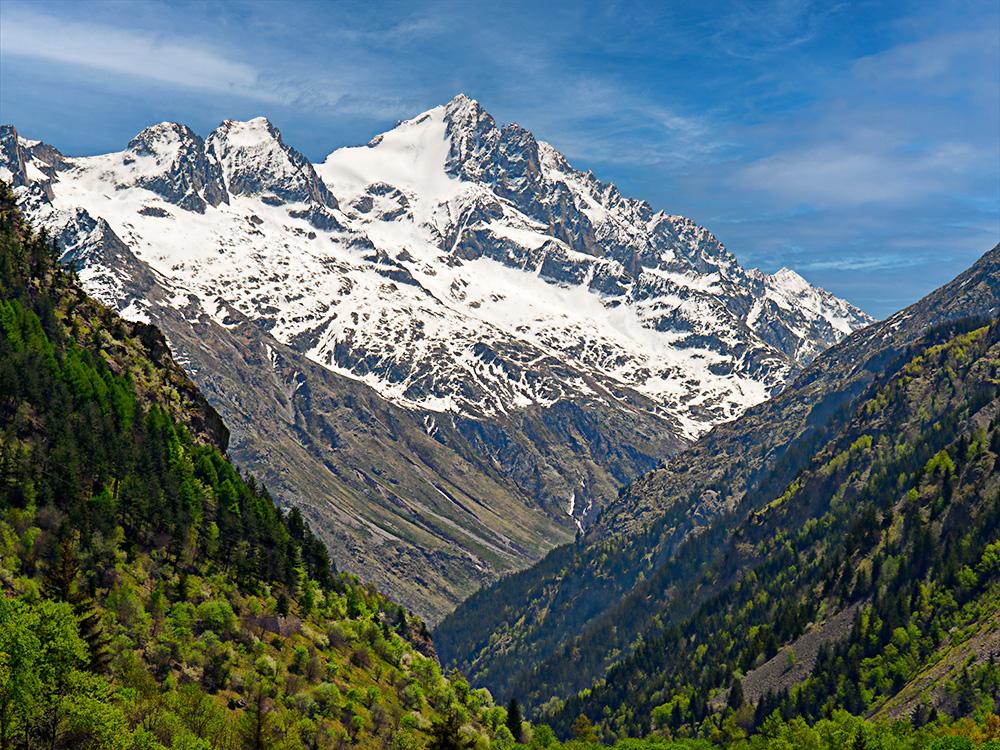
column 735, row 699
column 446, row 734
column 83, row 439
column 514, row 722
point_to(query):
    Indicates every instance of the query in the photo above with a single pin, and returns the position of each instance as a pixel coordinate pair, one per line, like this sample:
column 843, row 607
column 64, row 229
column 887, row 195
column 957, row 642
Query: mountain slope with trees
column 152, row 595
column 525, row 635
column 896, row 521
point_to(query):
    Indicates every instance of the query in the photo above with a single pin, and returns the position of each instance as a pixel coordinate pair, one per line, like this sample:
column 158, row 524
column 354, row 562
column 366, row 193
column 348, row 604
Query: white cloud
column 172, row 60
column 889, row 132
column 843, row 174
column 938, row 65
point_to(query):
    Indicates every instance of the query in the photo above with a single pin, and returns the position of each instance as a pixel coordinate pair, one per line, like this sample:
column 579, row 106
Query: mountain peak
column 255, row 130
column 169, row 159
column 466, row 117
column 156, row 139
column 28, row 163
column 256, row 162
column 463, row 103
column 787, row 274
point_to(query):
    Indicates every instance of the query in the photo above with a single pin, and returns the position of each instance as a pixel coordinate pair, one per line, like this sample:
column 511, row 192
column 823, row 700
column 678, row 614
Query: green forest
column 899, row 515
column 155, row 596
column 875, row 534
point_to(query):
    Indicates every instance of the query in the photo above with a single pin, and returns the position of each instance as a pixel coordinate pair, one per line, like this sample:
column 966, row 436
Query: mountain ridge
column 612, row 585
column 489, row 295
column 840, row 374
column 875, row 529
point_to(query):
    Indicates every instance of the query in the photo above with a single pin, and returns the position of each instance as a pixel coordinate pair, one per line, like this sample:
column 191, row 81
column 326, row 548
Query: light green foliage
column 940, row 462
column 989, row 564
column 542, row 737
column 20, row 684
column 44, row 690
column 91, row 715
column 495, row 717
column 502, row 739
column 413, row 696
column 217, row 616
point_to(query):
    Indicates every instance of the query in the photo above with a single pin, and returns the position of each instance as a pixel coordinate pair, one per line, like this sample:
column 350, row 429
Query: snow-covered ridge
column 451, row 264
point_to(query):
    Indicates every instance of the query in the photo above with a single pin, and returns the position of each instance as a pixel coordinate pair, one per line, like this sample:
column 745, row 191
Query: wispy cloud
column 867, row 262
column 165, row 59
column 936, row 66
column 885, row 136
column 185, row 62
column 854, row 172
column 752, row 31
column 829, row 137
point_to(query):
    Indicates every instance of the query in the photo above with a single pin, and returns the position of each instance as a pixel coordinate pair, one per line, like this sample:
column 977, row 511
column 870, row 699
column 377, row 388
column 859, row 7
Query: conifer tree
column 736, row 694
column 514, row 723
column 60, row 584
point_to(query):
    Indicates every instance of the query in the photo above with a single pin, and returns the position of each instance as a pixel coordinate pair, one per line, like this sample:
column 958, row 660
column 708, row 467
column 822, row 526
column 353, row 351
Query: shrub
column 361, row 657
column 218, row 616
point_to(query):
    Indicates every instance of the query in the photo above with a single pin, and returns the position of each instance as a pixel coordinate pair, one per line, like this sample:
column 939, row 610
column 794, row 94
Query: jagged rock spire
column 255, row 161
column 170, row 159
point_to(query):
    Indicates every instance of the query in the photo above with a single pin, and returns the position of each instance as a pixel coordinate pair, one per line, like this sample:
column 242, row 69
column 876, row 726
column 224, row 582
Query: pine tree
column 514, row 723
column 446, row 735
column 281, row 606
column 736, row 694
column 60, row 583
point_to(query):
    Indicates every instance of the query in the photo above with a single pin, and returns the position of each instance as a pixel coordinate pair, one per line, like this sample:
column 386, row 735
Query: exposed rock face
column 171, row 161
column 741, row 452
column 634, row 243
column 449, row 346
column 12, row 157
column 29, row 164
column 256, row 162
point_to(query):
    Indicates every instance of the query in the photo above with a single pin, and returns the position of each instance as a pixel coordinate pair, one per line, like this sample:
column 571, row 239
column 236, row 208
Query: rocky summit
column 448, row 346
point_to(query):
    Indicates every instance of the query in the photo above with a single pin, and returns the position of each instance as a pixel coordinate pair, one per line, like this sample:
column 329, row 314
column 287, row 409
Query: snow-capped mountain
column 464, row 272
column 498, row 226
column 454, row 255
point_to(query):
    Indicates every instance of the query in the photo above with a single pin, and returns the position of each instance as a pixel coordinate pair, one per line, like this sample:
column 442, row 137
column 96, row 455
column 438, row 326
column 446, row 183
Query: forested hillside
column 895, row 522
column 525, row 634
column 152, row 595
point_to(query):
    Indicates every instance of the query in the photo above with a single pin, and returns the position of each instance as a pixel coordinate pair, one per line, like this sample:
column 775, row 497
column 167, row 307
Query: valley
column 139, row 610
column 499, row 375
column 449, row 347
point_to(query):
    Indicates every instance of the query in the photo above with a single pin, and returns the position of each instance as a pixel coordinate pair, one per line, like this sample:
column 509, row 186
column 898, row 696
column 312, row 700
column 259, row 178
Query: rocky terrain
column 449, row 347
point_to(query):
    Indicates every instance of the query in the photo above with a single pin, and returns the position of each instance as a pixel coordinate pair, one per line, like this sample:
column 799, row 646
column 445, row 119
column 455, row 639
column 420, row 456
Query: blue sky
column 856, row 142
